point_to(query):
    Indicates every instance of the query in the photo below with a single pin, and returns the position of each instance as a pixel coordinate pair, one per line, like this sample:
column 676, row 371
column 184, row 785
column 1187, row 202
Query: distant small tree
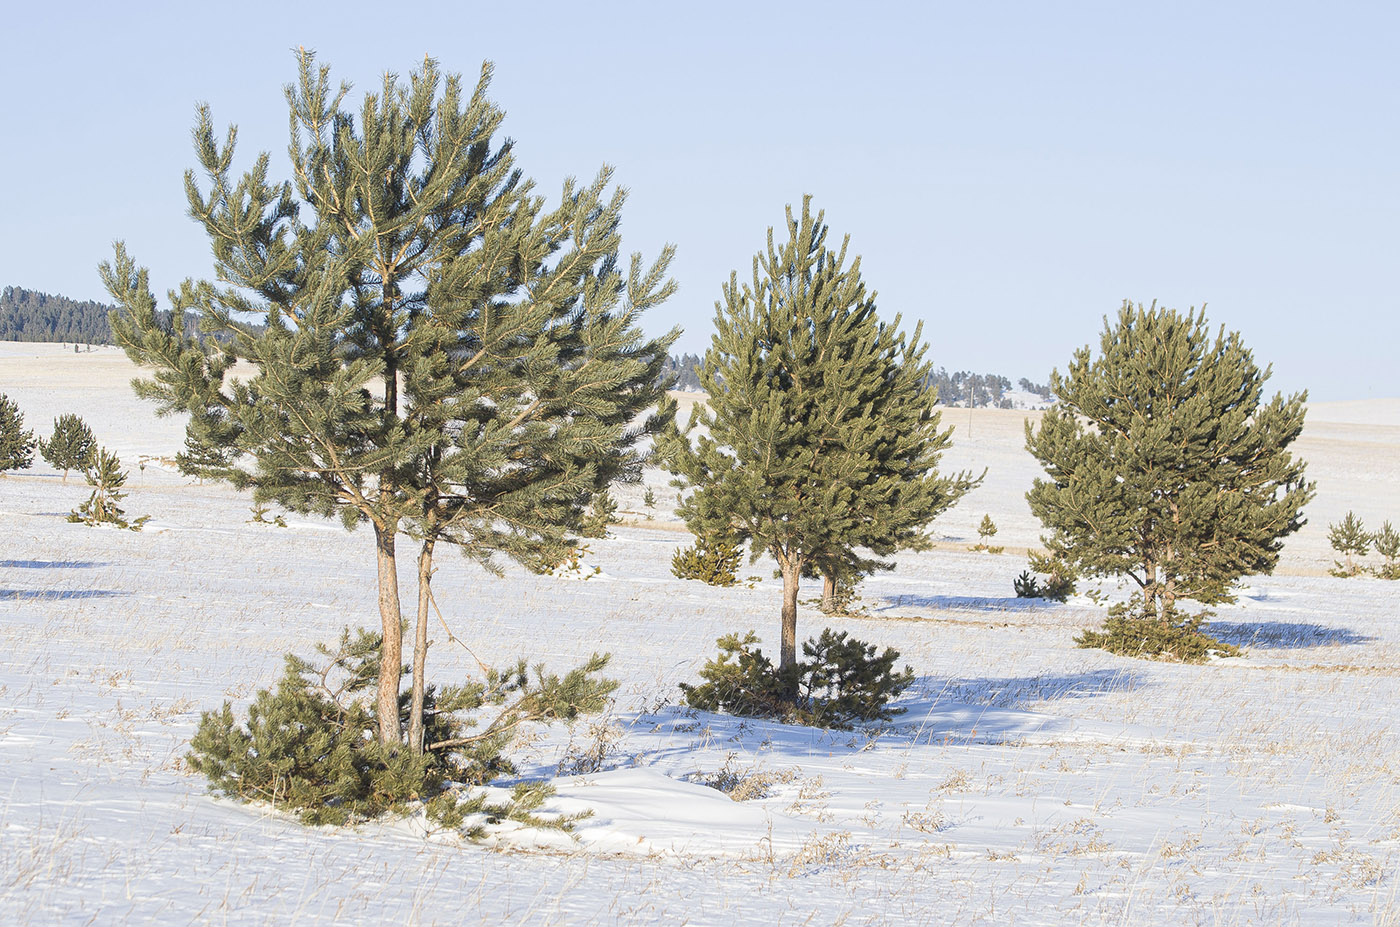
column 106, row 477
column 601, row 513
column 985, row 532
column 1348, row 538
column 72, row 445
column 1387, row 544
column 1165, row 466
column 16, row 443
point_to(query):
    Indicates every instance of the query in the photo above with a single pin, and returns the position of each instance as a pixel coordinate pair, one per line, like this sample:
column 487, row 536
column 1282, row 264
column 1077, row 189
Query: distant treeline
column 29, row 316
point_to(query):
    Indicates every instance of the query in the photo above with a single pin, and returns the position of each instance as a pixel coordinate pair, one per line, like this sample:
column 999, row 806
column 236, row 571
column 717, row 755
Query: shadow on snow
column 1282, row 635
column 29, row 594
column 50, row 564
column 967, row 603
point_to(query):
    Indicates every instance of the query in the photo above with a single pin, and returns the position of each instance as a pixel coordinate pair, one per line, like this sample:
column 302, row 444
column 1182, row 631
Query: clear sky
column 1009, row 172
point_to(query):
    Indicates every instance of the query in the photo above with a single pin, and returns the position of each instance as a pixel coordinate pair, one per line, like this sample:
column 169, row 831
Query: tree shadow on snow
column 967, row 603
column 28, row 594
column 1282, row 635
column 50, row 564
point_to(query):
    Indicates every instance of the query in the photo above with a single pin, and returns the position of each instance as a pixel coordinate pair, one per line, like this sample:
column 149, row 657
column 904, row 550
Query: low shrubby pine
column 1058, row 586
column 308, row 745
column 841, row 681
column 1179, row 639
column 601, row 513
column 985, row 532
column 710, row 560
column 106, row 477
column 1387, row 543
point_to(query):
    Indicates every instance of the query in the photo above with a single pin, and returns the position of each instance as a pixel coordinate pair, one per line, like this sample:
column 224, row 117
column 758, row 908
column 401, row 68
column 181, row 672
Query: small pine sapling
column 1059, row 586
column 600, row 514
column 1387, row 543
column 106, row 477
column 16, row 443
column 649, row 502
column 72, row 445
column 711, row 560
column 1348, row 538
column 985, row 532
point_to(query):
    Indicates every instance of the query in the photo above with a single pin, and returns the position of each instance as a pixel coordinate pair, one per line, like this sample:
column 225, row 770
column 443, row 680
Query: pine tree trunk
column 420, row 646
column 828, row 593
column 792, row 572
column 391, row 650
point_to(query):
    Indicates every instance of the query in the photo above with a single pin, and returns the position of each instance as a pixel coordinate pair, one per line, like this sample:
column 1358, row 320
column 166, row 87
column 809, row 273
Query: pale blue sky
column 1009, row 172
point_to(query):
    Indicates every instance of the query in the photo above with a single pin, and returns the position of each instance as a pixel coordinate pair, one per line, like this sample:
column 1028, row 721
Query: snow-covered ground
column 1029, row 782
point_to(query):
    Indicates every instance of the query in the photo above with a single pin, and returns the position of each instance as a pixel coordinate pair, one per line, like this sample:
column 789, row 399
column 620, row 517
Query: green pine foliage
column 711, row 560
column 309, row 746
column 106, row 477
column 16, row 442
column 1387, row 543
column 1059, row 584
column 1164, row 465
column 1129, row 634
column 987, row 530
column 841, row 682
column 72, row 445
column 601, row 513
column 820, row 443
column 1350, row 539
column 438, row 354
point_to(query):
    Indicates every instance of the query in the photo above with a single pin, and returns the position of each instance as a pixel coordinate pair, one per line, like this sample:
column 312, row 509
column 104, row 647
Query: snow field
column 1029, row 782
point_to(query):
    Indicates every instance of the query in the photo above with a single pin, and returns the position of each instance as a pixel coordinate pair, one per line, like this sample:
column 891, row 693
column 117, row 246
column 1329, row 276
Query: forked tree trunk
column 420, row 646
column 391, row 651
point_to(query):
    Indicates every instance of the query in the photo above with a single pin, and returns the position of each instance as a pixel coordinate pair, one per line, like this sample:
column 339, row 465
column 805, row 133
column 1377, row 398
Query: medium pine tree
column 820, row 437
column 16, row 442
column 440, row 353
column 1387, row 544
column 106, row 477
column 72, row 446
column 1164, row 465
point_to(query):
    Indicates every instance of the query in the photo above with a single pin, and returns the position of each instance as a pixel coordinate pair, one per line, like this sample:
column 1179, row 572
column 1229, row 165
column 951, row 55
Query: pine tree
column 1164, row 465
column 16, row 443
column 105, row 475
column 440, row 353
column 820, row 435
column 1387, row 544
column 72, row 445
column 1350, row 539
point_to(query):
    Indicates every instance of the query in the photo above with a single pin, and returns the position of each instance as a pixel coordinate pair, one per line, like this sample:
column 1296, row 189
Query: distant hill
column 27, row 315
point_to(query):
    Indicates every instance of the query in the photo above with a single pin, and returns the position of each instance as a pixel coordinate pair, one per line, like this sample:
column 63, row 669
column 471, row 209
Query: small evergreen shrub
column 309, row 746
column 1180, row 639
column 106, row 477
column 16, row 442
column 601, row 513
column 985, row 532
column 72, row 445
column 1348, row 538
column 1387, row 543
column 710, row 560
column 1059, row 585
column 842, row 681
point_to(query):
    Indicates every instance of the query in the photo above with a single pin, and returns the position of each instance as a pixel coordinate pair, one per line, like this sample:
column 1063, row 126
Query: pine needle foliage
column 1350, row 539
column 842, row 681
column 106, row 477
column 601, row 513
column 1058, row 586
column 308, row 746
column 1179, row 641
column 711, row 560
column 438, row 353
column 1387, row 543
column 16, row 442
column 820, row 443
column 1164, row 465
column 72, row 445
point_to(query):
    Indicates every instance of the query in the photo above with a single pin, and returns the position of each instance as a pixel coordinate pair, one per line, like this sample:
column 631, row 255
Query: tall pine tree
column 72, row 445
column 438, row 351
column 1165, row 465
column 820, row 443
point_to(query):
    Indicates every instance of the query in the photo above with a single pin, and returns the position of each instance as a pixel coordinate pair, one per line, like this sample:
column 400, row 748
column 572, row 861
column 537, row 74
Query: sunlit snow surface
column 1029, row 782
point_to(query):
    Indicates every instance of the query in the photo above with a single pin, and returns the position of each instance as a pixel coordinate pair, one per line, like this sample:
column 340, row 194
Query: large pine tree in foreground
column 820, row 443
column 439, row 353
column 1165, row 465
